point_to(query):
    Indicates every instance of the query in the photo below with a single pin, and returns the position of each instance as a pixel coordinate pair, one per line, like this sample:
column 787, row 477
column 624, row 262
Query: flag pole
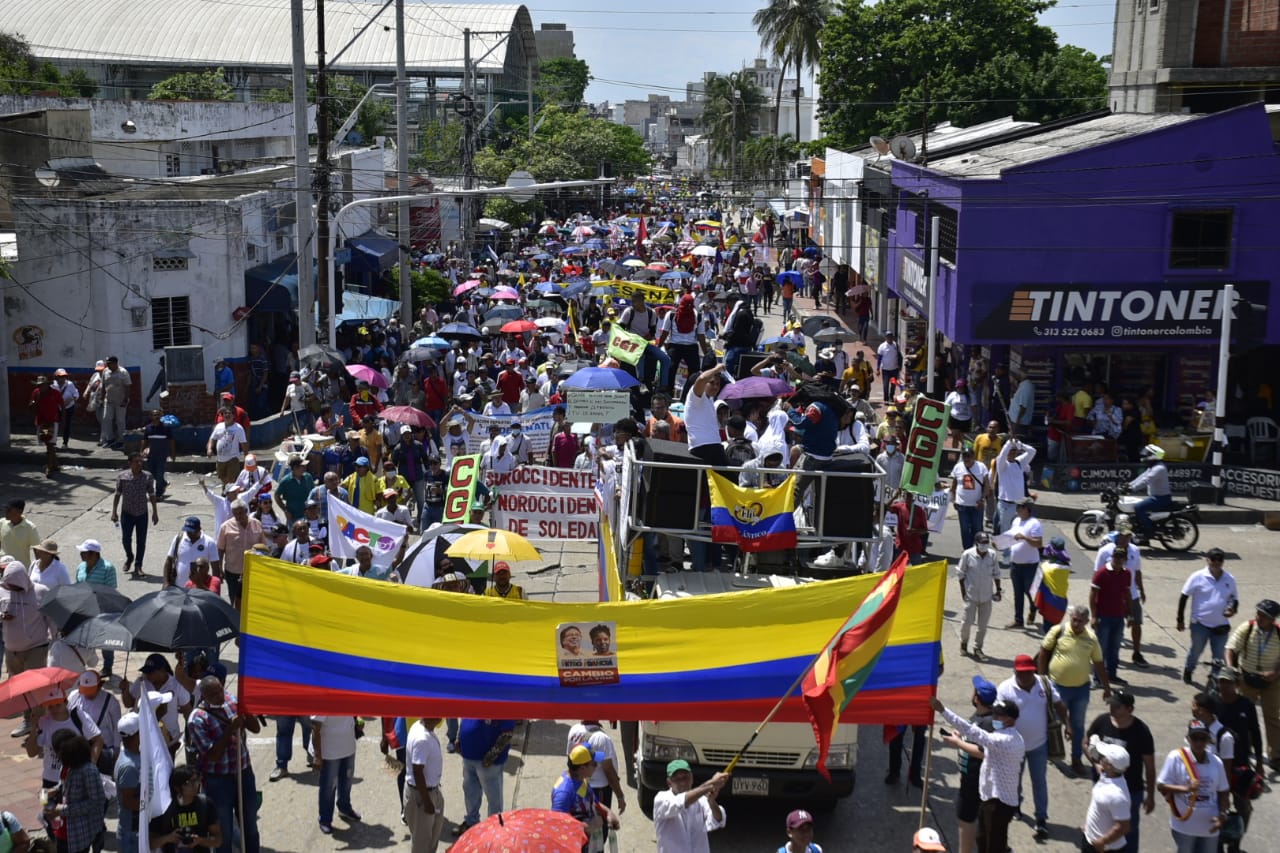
column 928, row 768
column 776, row 708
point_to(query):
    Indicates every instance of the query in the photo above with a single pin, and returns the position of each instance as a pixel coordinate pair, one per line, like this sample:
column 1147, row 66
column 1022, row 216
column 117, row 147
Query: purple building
column 1098, row 251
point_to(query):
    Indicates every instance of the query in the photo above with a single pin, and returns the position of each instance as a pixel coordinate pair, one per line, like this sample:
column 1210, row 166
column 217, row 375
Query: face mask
column 891, row 449
column 982, row 549
column 997, row 724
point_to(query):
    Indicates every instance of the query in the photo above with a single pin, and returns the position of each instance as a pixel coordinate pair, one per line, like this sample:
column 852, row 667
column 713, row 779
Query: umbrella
column 644, row 275
column 413, row 356
column 104, row 631
column 756, row 386
column 29, row 688
column 493, row 224
column 572, row 250
column 364, row 373
column 583, row 231
column 318, row 355
column 633, row 262
column 181, row 619
column 432, row 341
column 408, row 415
column 660, row 266
column 792, row 276
column 506, row 293
column 432, row 258
column 576, row 287
column 666, row 223
column 519, row 327
column 812, row 325
column 603, row 290
column 548, row 287
column 775, row 340
column 460, row 330
column 465, row 286
column 423, row 558
column 493, row 544
column 540, row 256
column 491, row 327
column 549, row 323
column 596, row 244
column 704, row 251
column 486, row 292
column 504, row 312
column 834, row 334
column 706, row 223
column 548, row 230
column 675, row 275
column 70, row 604
column 524, row 831
column 601, row 379
column 544, row 304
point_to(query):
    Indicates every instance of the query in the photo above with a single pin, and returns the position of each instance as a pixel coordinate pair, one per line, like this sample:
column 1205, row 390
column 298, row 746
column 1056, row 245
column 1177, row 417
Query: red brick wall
column 1257, row 46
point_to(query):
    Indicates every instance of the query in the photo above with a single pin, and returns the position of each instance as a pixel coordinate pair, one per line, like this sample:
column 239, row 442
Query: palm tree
column 729, row 102
column 792, row 30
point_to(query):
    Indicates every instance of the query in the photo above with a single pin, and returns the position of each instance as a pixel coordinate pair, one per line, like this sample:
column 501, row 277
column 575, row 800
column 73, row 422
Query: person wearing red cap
column 927, row 840
column 502, row 585
column 1032, row 694
column 799, row 834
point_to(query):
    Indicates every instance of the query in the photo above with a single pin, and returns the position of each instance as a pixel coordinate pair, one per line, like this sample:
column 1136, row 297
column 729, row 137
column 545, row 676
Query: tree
column 984, row 59
column 193, row 86
column 728, row 104
column 765, row 158
column 569, row 145
column 791, row 29
column 344, row 94
column 429, row 286
column 441, row 151
column 562, row 81
column 21, row 74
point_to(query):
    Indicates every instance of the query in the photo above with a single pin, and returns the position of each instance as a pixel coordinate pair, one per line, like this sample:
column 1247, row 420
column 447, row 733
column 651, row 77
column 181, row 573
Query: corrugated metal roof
column 993, row 161
column 257, row 33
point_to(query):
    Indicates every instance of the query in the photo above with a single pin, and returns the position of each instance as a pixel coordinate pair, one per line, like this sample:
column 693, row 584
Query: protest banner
column 625, row 346
column 546, row 503
column 461, row 490
column 653, row 293
column 349, row 528
column 598, row 407
column 923, row 452
column 535, row 423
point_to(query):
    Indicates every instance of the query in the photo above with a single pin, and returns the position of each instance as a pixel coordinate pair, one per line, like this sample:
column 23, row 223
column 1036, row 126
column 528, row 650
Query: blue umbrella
column 431, row 259
column 675, row 275
column 552, row 245
column 792, row 276
column 626, row 232
column 541, row 256
column 776, row 339
column 601, row 229
column 506, row 312
column 548, row 287
column 572, row 250
column 431, row 341
column 595, row 243
column 576, row 287
column 600, row 379
column 666, row 223
column 460, row 330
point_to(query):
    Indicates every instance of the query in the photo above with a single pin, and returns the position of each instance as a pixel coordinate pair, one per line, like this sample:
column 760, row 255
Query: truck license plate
column 747, row 786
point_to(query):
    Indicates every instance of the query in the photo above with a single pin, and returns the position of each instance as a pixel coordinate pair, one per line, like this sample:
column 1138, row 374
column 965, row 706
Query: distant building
column 555, row 41
column 1194, row 55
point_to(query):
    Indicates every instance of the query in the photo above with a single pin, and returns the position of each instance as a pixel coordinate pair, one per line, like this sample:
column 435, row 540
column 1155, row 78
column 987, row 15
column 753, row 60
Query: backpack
column 744, row 331
column 813, row 392
column 685, row 319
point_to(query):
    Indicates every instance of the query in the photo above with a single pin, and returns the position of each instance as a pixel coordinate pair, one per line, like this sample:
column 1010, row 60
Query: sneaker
column 1115, row 679
column 964, row 650
column 278, row 774
column 461, row 828
column 1139, row 661
column 451, row 746
column 349, row 815
column 22, row 730
column 1014, row 624
column 828, row 560
column 1186, row 676
column 327, row 829
column 1042, row 832
column 979, row 655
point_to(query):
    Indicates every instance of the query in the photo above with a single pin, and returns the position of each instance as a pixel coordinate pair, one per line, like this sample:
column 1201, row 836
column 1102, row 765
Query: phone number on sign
column 1068, row 332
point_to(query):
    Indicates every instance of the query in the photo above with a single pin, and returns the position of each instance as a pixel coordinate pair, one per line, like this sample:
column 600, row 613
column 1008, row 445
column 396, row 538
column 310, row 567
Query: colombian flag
column 1049, row 591
column 753, row 519
column 845, row 665
column 317, row 642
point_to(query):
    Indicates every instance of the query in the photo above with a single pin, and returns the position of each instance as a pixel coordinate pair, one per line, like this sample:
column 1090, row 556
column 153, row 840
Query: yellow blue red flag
column 753, row 519
column 847, row 661
column 1049, row 591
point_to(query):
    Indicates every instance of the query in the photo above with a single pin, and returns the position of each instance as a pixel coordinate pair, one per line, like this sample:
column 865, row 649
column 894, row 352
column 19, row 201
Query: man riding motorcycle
column 1159, row 494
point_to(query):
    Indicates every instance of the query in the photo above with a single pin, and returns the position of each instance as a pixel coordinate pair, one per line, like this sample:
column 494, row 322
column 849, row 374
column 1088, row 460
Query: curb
column 1207, row 515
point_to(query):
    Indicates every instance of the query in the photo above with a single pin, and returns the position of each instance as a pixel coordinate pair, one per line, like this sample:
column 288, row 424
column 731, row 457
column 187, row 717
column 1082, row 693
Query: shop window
column 1201, row 239
column 170, row 322
column 948, row 227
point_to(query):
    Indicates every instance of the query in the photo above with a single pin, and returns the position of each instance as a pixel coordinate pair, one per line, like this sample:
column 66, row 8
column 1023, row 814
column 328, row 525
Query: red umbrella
column 407, row 415
column 367, row 374
column 29, row 688
column 530, row 830
column 519, row 327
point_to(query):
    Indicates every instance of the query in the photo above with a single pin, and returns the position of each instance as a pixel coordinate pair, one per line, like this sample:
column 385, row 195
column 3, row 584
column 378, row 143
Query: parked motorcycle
column 1175, row 529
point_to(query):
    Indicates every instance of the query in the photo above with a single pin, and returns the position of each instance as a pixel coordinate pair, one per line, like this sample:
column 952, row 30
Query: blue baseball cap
column 985, row 690
column 362, row 460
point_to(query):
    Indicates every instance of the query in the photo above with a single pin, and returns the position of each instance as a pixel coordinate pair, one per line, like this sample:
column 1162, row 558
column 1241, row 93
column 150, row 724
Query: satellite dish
column 880, row 145
column 903, row 148
column 47, row 177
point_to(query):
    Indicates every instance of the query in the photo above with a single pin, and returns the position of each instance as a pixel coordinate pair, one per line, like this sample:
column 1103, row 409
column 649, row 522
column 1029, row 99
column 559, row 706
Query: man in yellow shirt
column 986, row 447
column 17, row 534
column 362, row 486
column 1082, row 401
column 502, row 585
column 1069, row 654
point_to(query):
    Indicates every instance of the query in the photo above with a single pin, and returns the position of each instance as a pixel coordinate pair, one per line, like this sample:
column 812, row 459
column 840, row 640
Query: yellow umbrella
column 492, row 544
column 707, row 223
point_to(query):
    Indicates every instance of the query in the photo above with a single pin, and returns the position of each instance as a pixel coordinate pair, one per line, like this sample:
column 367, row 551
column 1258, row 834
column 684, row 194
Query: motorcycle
column 1175, row 529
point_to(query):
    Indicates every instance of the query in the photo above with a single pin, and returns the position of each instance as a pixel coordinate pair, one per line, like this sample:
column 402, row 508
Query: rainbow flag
column 1049, row 591
column 845, row 665
column 323, row 643
column 753, row 519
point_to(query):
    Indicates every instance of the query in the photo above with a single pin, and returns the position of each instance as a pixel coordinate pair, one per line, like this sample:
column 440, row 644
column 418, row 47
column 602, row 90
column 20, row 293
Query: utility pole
column 302, row 181
column 528, row 79
column 402, row 170
column 321, row 183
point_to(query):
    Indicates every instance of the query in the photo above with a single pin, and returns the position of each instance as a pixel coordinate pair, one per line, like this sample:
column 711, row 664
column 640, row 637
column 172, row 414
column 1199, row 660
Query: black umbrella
column 104, row 631
column 834, row 334
column 461, row 331
column 811, row 325
column 318, row 355
column 181, row 619
column 70, row 604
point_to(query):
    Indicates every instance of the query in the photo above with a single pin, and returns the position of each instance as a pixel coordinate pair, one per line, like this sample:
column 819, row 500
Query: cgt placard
column 547, row 503
column 462, row 489
column 924, row 447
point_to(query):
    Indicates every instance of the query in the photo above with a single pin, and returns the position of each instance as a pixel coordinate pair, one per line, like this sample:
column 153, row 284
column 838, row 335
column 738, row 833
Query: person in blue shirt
column 574, row 795
column 484, row 746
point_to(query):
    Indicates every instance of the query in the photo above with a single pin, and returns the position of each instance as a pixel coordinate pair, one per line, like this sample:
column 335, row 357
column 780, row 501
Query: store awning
column 273, row 286
column 372, row 252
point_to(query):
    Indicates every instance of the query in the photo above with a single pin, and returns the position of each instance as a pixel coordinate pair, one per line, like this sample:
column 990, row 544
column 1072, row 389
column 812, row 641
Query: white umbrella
column 704, row 251
column 493, row 224
column 549, row 323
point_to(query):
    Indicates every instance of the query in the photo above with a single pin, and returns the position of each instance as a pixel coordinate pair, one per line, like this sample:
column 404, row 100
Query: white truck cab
column 780, row 764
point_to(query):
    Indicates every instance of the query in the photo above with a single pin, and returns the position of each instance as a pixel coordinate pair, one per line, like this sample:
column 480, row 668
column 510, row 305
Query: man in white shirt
column 970, row 483
column 1107, row 822
column 888, row 364
column 1214, row 600
column 1002, row 752
column 683, row 814
column 1024, row 559
column 979, row 573
column 186, row 548
column 226, row 443
column 1195, row 782
column 1032, row 694
column 1013, row 463
column 423, row 802
column 518, row 445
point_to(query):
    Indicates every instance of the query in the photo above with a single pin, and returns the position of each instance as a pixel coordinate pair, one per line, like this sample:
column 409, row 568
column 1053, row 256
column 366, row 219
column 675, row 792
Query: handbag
column 1057, row 743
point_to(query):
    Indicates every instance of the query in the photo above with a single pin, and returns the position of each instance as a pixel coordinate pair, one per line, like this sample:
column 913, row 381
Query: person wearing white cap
column 1107, row 821
column 94, row 568
column 128, row 778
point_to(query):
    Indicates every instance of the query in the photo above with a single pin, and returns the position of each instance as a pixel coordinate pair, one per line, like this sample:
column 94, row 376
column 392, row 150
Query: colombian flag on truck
column 753, row 519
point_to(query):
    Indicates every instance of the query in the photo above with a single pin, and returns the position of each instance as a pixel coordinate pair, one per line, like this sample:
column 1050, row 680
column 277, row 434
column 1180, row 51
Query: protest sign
column 598, row 407
column 546, row 503
column 536, row 424
column 625, row 346
column 585, row 654
column 349, row 528
column 461, row 490
column 652, row 293
column 924, row 447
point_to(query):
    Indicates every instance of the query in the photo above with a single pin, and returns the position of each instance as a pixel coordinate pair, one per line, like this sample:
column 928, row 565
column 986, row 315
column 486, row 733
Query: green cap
column 674, row 767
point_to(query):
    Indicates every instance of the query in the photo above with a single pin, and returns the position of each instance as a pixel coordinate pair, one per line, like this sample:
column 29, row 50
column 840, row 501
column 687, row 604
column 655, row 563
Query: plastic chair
column 1262, row 431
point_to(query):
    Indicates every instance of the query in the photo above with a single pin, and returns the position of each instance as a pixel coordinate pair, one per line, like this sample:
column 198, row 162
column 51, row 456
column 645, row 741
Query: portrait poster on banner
column 586, row 653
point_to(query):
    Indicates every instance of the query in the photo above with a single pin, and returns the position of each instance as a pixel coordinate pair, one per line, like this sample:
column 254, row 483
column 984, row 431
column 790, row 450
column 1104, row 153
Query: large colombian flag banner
column 753, row 519
column 320, row 643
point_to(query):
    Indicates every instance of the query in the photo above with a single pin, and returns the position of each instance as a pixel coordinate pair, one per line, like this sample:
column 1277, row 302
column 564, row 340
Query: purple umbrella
column 756, row 386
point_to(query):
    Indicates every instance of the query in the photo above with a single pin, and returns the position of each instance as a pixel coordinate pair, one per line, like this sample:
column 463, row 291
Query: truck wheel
column 646, row 799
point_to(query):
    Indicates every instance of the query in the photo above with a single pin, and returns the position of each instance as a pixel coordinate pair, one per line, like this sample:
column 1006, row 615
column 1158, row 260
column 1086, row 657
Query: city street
column 78, row 506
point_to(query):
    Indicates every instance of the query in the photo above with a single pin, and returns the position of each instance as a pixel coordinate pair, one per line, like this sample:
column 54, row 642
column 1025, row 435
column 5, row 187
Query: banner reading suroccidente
column 546, row 503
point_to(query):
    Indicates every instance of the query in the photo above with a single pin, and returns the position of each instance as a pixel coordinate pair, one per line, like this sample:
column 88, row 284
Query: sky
column 665, row 44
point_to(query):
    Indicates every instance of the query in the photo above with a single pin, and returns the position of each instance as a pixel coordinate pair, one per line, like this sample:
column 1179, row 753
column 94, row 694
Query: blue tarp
column 273, row 286
column 371, row 252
